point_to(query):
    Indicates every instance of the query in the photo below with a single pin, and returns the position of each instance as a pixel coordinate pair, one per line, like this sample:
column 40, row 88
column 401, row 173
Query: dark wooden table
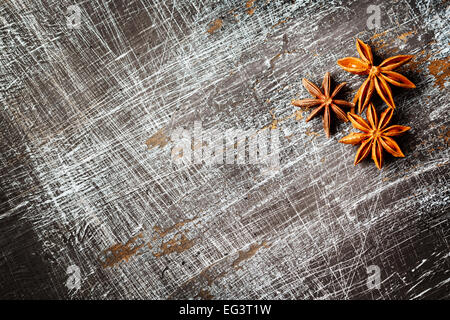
column 93, row 204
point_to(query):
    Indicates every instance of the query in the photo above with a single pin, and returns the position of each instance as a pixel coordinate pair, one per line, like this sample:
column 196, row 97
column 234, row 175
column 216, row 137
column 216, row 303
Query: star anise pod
column 324, row 100
column 375, row 136
column 379, row 76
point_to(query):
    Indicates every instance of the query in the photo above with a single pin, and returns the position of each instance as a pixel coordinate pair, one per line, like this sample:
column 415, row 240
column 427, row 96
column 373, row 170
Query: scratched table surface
column 93, row 205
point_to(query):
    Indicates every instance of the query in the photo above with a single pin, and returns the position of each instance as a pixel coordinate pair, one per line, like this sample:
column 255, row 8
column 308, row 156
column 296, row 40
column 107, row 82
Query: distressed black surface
column 77, row 177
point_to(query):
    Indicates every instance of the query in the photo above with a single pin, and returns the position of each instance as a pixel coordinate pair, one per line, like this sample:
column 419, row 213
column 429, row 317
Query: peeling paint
column 159, row 139
column 404, row 36
column 440, row 69
column 215, row 26
column 178, row 244
column 121, row 252
column 245, row 255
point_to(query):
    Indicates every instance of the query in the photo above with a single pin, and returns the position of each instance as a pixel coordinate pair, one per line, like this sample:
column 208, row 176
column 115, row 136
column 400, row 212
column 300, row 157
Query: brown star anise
column 324, row 100
column 375, row 136
column 379, row 76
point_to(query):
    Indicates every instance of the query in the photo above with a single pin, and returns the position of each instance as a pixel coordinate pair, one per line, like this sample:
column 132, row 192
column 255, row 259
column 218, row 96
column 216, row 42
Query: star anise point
column 379, row 76
column 324, row 99
column 375, row 136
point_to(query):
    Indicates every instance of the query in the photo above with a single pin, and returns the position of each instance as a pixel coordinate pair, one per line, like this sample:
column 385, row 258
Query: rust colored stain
column 298, row 115
column 159, row 139
column 404, row 36
column 289, row 137
column 251, row 9
column 445, row 134
column 379, row 44
column 377, row 35
column 163, row 232
column 250, row 3
column 380, row 41
column 274, row 123
column 275, row 58
column 311, row 133
column 210, row 277
column 178, row 244
column 245, row 255
column 280, row 22
column 122, row 252
column 215, row 25
column 204, row 294
column 440, row 69
column 385, row 40
column 417, row 63
column 388, row 44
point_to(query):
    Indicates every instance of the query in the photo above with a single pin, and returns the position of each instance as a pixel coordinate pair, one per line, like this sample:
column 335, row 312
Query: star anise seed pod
column 375, row 136
column 379, row 76
column 325, row 100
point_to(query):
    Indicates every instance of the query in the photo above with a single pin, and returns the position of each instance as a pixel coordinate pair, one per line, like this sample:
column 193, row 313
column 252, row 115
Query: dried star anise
column 375, row 136
column 379, row 76
column 324, row 100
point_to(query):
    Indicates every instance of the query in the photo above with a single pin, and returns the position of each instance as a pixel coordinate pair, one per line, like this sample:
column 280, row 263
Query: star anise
column 375, row 136
column 324, row 100
column 379, row 76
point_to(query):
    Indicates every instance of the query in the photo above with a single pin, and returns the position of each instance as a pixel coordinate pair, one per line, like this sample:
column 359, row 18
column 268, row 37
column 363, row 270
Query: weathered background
column 87, row 177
